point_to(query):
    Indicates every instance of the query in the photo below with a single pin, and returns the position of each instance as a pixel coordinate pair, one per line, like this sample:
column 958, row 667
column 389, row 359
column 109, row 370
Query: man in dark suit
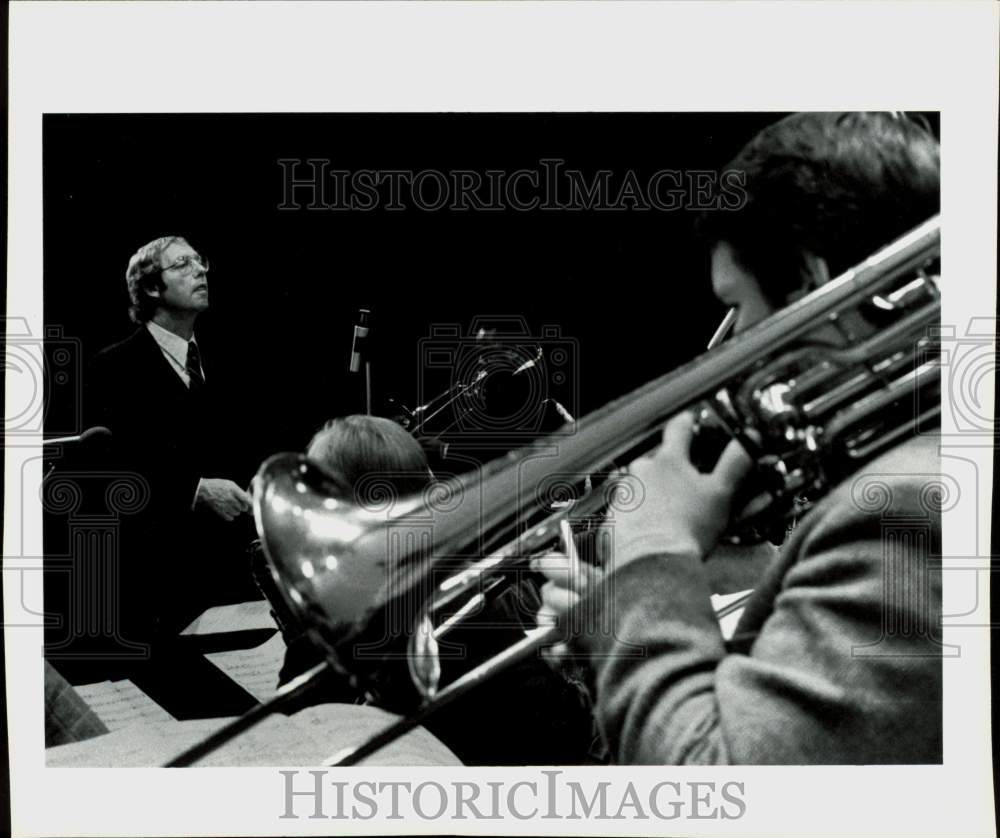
column 152, row 391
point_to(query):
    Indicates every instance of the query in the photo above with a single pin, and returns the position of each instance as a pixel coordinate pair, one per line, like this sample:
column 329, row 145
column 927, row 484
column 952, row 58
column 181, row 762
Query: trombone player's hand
column 568, row 581
column 672, row 507
column 665, row 507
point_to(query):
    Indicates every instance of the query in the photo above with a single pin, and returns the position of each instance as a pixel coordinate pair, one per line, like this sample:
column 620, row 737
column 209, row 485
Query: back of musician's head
column 372, row 456
column 832, row 185
column 144, row 274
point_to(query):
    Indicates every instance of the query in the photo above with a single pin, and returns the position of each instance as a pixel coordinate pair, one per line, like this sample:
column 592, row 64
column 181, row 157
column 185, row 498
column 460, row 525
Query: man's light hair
column 144, row 274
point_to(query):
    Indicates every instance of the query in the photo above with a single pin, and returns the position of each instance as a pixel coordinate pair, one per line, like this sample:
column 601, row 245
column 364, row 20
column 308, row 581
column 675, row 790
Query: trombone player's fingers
column 566, row 572
column 558, row 594
column 677, row 435
column 557, row 602
column 568, row 583
column 734, row 465
column 559, row 609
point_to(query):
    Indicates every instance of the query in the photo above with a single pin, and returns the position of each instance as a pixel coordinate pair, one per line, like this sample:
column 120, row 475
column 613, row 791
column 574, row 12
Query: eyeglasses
column 186, row 263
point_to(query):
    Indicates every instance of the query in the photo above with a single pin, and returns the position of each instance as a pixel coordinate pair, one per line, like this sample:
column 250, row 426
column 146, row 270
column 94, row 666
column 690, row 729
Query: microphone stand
column 368, row 387
column 359, row 350
column 55, row 444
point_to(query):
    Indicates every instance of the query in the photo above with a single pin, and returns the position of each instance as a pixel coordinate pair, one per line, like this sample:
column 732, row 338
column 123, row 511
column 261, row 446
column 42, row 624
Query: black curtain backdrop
column 625, row 290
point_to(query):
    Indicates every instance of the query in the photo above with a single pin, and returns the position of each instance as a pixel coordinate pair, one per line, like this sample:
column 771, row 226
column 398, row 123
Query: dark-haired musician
column 838, row 660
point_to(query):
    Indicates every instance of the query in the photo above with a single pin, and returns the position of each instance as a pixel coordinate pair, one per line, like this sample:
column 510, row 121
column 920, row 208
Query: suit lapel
column 159, row 369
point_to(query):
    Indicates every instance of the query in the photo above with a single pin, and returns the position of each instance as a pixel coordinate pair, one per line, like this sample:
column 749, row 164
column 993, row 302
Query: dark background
column 629, row 289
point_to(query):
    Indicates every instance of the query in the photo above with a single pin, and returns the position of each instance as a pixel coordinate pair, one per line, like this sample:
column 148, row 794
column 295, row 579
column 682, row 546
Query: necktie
column 193, row 367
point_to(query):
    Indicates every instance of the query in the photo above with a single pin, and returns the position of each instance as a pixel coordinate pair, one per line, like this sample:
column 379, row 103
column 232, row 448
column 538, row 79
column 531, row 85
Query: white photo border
column 314, row 57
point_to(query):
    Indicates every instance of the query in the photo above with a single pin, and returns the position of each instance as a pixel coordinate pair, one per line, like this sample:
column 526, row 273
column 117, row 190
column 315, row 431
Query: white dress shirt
column 174, row 349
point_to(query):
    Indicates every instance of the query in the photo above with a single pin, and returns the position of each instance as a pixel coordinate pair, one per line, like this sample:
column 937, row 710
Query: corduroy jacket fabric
column 841, row 659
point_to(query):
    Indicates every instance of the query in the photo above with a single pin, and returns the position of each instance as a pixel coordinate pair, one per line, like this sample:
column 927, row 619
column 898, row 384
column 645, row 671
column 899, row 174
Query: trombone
column 808, row 413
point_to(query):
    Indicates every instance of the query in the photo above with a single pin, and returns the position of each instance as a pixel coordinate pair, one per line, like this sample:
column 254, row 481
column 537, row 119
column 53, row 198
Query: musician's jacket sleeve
column 844, row 659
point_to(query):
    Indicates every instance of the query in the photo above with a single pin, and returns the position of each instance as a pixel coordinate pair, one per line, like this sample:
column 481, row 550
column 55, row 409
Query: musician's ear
column 816, row 268
column 815, row 274
column 153, row 285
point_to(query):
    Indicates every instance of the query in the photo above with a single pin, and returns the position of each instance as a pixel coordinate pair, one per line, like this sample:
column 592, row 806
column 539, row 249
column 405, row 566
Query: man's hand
column 223, row 497
column 568, row 581
column 678, row 509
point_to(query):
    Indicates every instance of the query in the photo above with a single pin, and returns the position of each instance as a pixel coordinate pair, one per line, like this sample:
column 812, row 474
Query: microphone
column 98, row 431
column 359, row 340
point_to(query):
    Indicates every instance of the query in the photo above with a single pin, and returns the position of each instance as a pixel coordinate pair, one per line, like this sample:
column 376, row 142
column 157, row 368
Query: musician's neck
column 180, row 323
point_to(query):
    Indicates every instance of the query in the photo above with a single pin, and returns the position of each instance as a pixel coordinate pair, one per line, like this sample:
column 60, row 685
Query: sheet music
column 307, row 738
column 256, row 670
column 121, row 703
column 243, row 616
column 136, row 746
